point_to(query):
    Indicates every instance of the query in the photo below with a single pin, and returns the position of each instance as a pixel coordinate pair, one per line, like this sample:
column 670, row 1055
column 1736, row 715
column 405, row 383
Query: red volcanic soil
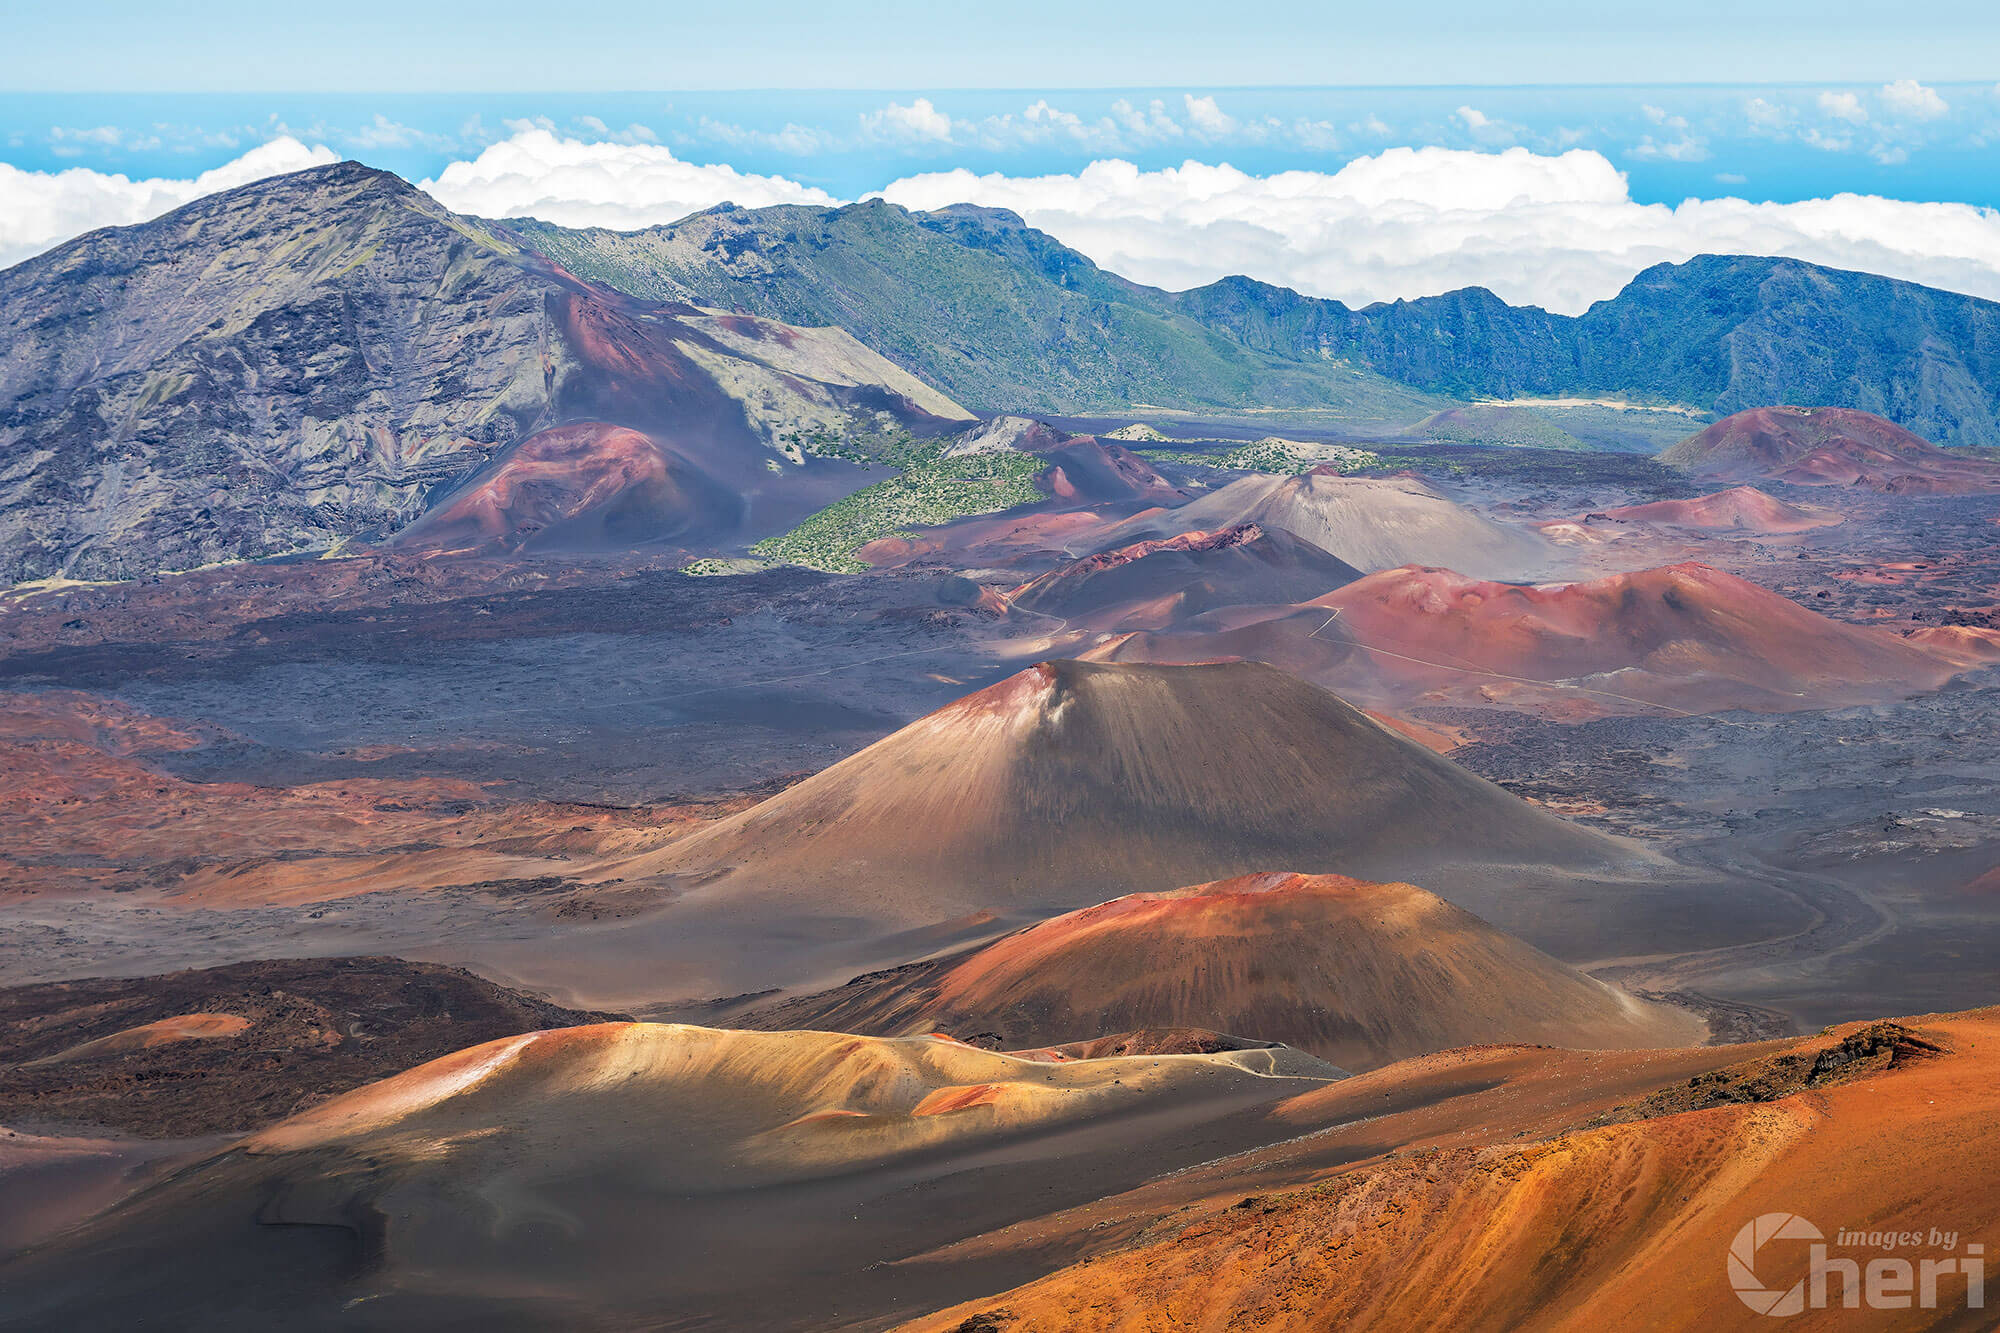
column 1357, row 973
column 84, row 809
column 1973, row 645
column 1738, row 509
column 1686, row 636
column 1155, row 584
column 995, row 539
column 1829, row 446
column 1627, row 1221
column 1073, row 779
column 591, row 486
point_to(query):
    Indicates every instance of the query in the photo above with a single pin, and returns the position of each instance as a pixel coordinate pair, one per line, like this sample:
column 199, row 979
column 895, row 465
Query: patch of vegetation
column 1502, row 427
column 933, row 489
column 710, row 567
column 1291, row 457
column 892, row 448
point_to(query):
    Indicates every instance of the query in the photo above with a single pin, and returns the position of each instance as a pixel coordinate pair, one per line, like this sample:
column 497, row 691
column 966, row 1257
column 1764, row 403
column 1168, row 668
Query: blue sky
column 407, row 45
column 1760, row 141
column 1548, row 151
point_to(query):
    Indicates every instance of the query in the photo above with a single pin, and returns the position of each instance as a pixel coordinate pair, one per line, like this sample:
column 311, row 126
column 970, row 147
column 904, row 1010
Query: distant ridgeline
column 1000, row 315
column 331, row 357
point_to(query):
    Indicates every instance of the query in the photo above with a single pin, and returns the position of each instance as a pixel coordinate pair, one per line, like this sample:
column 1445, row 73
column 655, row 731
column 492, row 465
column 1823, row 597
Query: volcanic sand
column 1370, row 522
column 580, row 1178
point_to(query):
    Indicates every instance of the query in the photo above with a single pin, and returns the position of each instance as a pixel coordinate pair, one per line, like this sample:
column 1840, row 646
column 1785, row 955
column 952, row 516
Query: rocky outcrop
column 319, row 357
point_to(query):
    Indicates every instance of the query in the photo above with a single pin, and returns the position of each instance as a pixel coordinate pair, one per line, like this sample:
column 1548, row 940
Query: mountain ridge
column 1718, row 332
column 321, row 356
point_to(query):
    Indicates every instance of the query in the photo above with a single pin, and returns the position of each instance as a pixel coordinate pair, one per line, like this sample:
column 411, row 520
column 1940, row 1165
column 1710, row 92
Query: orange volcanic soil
column 1152, row 584
column 1829, row 446
column 591, row 1177
column 1738, row 509
column 1686, row 636
column 588, row 486
column 1071, row 780
column 159, row 1032
column 1357, row 973
column 1627, row 1225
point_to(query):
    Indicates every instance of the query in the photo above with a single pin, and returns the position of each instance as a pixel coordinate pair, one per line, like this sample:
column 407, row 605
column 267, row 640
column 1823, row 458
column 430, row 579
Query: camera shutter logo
column 1750, row 1289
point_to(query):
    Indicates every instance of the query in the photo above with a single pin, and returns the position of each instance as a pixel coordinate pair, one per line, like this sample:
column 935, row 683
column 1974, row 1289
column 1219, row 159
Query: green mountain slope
column 1720, row 332
column 1002, row 316
column 999, row 315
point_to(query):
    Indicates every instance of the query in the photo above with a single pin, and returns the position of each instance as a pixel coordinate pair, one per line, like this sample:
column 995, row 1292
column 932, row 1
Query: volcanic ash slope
column 1369, row 522
column 595, row 1176
column 1071, row 782
column 1157, row 584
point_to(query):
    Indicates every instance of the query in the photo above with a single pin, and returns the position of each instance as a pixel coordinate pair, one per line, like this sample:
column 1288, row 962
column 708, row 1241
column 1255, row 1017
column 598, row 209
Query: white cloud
column 1208, row 119
column 65, row 141
column 919, row 122
column 798, row 140
column 1766, row 117
column 1151, row 125
column 1660, row 116
column 575, row 184
column 633, row 133
column 1843, row 106
column 1041, row 113
column 382, row 132
column 39, row 209
column 1318, row 135
column 1557, row 231
column 1486, row 129
column 1687, row 148
column 1913, row 101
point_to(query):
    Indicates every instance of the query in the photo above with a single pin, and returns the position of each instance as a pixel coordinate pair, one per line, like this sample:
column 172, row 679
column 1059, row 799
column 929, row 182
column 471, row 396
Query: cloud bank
column 1559, row 230
column 39, row 209
column 620, row 185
